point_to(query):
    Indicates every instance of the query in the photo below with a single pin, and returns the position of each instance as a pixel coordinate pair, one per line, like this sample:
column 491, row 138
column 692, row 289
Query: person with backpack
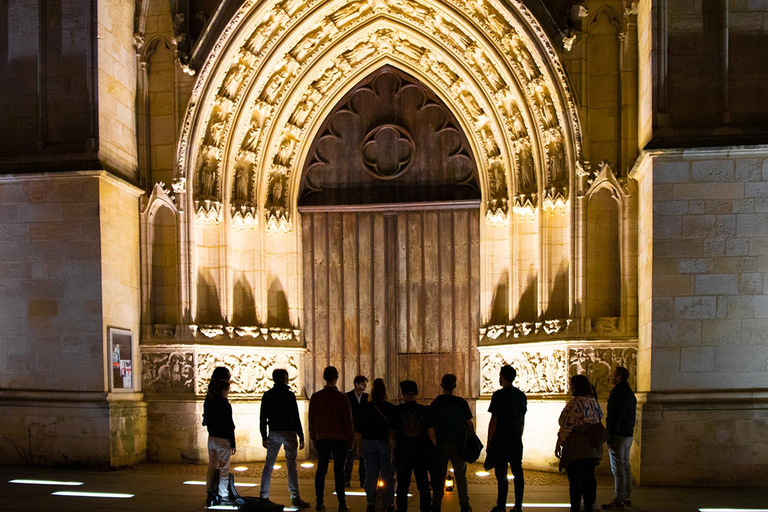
column 280, row 426
column 331, row 431
column 412, row 437
column 372, row 427
column 505, row 438
column 452, row 417
column 217, row 417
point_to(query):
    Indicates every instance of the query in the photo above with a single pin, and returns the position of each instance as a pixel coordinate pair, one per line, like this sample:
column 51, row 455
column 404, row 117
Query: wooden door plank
column 414, row 277
column 335, row 297
column 445, row 292
column 380, row 338
column 461, row 283
column 350, row 309
column 320, row 256
column 430, row 245
column 402, row 325
column 365, row 303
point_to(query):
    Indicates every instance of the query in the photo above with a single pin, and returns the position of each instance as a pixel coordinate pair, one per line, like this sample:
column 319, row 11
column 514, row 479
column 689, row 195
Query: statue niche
column 389, row 140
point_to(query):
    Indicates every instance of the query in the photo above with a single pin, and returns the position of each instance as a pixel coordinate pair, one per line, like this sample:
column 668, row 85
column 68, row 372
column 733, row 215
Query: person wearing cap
column 412, row 437
column 452, row 417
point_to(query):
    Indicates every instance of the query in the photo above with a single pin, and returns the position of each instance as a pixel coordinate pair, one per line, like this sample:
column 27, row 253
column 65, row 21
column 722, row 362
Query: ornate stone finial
column 569, row 37
column 138, row 41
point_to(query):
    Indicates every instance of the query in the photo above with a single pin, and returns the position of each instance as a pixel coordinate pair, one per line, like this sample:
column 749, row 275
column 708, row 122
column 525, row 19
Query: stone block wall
column 69, row 251
column 702, row 357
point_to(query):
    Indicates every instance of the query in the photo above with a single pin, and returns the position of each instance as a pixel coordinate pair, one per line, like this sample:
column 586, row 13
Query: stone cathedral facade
column 400, row 188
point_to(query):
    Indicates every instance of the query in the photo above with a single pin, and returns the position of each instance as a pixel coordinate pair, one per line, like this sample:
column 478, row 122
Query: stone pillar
column 69, row 245
column 702, row 355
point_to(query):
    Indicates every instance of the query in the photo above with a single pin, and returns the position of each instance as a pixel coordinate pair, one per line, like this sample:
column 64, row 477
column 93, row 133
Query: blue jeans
column 619, row 454
column 378, row 459
column 290, row 441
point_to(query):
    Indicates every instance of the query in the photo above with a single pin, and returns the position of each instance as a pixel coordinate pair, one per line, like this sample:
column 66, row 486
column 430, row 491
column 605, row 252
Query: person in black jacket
column 357, row 397
column 620, row 424
column 372, row 438
column 280, row 415
column 217, row 414
column 452, row 417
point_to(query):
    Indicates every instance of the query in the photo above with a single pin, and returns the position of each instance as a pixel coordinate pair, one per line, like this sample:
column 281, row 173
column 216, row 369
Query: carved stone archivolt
column 544, row 369
column 186, row 369
column 479, row 52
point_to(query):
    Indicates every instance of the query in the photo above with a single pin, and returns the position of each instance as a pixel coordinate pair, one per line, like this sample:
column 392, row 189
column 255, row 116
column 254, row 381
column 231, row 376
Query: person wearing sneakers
column 281, row 427
column 217, row 417
column 331, row 431
column 620, row 424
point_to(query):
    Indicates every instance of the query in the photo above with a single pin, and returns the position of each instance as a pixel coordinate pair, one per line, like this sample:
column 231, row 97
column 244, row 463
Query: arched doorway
column 390, row 216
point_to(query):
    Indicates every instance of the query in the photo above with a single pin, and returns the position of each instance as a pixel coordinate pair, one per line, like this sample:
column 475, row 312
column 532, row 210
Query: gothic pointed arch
column 280, row 65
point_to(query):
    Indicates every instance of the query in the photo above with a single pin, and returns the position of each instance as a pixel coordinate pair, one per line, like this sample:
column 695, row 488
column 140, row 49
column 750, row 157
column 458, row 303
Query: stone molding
column 47, row 176
column 226, row 334
column 543, row 368
column 186, row 369
column 546, row 330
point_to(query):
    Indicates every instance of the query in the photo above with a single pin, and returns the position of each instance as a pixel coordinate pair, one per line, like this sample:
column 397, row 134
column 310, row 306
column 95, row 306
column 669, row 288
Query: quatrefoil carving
column 387, row 152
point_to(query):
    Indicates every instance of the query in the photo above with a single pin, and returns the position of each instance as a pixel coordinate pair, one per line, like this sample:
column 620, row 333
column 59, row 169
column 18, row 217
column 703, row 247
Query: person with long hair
column 372, row 433
column 574, row 447
column 221, row 441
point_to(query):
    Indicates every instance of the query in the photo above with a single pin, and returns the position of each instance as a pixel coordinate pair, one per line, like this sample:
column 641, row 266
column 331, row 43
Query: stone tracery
column 336, row 26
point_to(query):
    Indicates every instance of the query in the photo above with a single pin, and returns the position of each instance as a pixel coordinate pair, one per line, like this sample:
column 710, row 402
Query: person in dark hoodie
column 620, row 424
column 217, row 417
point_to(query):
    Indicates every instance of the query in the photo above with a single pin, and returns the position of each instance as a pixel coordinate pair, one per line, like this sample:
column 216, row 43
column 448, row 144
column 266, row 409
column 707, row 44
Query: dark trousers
column 511, row 457
column 582, row 483
column 325, row 449
column 351, row 457
column 407, row 462
column 439, row 472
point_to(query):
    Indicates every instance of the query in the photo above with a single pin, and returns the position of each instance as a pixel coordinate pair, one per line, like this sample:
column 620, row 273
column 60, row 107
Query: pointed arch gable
column 256, row 33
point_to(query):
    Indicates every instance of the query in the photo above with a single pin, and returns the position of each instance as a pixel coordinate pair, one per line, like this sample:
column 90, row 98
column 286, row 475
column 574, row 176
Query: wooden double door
column 392, row 294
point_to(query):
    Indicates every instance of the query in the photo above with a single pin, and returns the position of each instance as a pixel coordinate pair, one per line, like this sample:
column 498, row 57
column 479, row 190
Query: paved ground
column 160, row 487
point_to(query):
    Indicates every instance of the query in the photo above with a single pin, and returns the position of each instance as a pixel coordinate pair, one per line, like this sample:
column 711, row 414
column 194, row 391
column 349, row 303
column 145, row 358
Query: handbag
column 595, row 433
column 472, row 446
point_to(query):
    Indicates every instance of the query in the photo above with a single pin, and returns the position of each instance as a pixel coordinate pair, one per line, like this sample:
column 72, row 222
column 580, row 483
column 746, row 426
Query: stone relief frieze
column 251, row 371
column 546, row 370
column 539, row 371
column 336, row 20
column 598, row 363
column 168, row 372
column 521, row 330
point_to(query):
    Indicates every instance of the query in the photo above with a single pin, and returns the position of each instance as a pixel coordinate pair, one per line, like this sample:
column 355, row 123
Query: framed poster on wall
column 120, row 359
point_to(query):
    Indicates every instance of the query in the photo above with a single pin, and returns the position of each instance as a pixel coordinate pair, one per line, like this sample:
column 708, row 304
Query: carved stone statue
column 350, row 11
column 233, row 80
column 556, row 161
column 207, row 179
column 241, row 183
column 216, row 132
column 527, row 172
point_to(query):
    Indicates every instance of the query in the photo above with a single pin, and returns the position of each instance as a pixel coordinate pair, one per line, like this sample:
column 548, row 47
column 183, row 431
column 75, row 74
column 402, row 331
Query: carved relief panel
column 546, row 370
column 185, row 369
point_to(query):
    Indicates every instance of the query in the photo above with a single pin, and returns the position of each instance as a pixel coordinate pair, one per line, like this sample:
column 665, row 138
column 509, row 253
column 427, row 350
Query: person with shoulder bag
column 580, row 443
column 372, row 436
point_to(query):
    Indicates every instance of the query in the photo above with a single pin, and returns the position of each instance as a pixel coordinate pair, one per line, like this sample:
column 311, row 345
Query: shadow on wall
column 208, row 304
column 278, row 314
column 558, row 296
column 500, row 304
column 244, row 311
column 527, row 309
